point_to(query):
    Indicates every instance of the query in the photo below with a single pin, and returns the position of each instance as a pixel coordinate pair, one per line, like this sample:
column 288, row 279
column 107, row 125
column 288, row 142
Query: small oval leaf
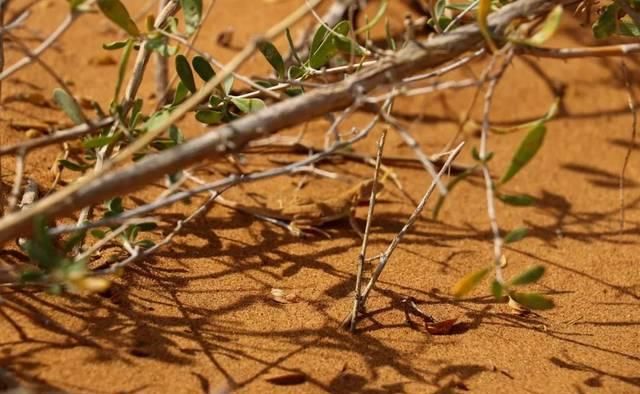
column 468, row 282
column 533, row 300
column 526, row 151
column 516, row 235
column 184, row 72
column 192, row 10
column 203, row 68
column 496, row 289
column 118, row 14
column 209, row 117
column 270, row 52
column 531, row 275
column 248, row 105
column 518, row 200
column 69, row 105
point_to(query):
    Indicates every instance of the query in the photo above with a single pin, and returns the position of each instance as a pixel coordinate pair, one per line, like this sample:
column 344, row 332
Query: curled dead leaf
column 503, row 261
column 281, row 297
column 225, row 37
column 517, row 307
column 286, row 378
column 442, row 327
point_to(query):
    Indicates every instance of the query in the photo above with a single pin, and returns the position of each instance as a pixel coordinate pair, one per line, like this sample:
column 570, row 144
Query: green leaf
column 192, row 10
column 72, row 166
column 227, row 84
column 248, row 105
column 203, row 68
column 325, row 44
column 482, row 14
column 98, row 142
column 270, row 52
column 629, row 29
column 122, row 70
column 549, row 27
column 496, row 289
column 115, row 205
column 531, row 275
column 148, row 226
column 145, row 243
column 31, row 276
column 532, row 300
column 516, row 235
column 160, row 44
column 181, row 93
column 176, row 135
column 476, row 155
column 75, row 239
column 605, row 25
column 518, row 200
column 118, row 14
column 69, row 105
column 526, row 151
column 157, row 118
column 215, row 101
column 295, row 72
column 184, row 72
column 112, row 46
column 41, row 248
column 207, row 116
column 97, row 233
column 468, row 282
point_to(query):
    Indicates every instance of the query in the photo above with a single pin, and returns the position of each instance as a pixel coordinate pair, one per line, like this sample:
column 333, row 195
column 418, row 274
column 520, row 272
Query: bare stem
column 384, row 258
column 365, row 236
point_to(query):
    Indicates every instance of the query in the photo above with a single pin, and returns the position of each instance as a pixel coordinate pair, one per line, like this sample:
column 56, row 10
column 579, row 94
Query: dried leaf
column 281, row 297
column 286, row 378
column 468, row 282
column 517, row 307
column 442, row 327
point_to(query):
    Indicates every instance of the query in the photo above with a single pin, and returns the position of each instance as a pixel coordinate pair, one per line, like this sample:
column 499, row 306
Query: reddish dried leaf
column 442, row 327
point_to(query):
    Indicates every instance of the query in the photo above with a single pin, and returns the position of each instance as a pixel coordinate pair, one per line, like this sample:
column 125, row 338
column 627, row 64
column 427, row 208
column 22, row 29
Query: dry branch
column 416, row 56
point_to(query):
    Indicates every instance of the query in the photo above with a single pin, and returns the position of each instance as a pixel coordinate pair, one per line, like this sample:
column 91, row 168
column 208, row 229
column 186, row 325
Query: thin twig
column 632, row 142
column 570, row 53
column 491, row 209
column 57, row 137
column 17, row 183
column 367, row 229
column 384, row 257
column 48, row 42
column 224, row 183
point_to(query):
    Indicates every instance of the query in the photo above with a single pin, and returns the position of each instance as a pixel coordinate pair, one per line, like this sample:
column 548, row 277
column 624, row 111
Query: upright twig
column 365, row 237
column 384, row 257
column 162, row 68
column 483, row 155
column 632, row 142
column 17, row 183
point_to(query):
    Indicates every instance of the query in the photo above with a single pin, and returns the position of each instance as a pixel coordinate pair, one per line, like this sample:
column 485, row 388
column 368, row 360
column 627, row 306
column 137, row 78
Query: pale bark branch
column 231, row 137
